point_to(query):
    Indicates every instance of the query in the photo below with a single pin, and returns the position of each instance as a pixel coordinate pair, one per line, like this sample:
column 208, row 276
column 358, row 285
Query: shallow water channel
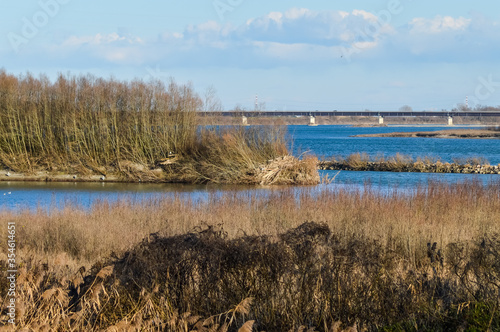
column 323, row 141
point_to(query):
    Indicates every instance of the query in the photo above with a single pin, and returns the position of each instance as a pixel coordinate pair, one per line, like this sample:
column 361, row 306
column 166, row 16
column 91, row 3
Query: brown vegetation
column 133, row 131
column 404, row 163
column 370, row 261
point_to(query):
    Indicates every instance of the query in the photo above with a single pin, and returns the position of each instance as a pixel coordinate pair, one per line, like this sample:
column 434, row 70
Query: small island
column 449, row 133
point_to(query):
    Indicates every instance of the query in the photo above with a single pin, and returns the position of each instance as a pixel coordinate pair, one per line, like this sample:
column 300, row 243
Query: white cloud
column 438, row 24
column 343, row 14
column 276, row 16
column 295, row 13
column 100, row 39
column 326, row 28
column 366, row 15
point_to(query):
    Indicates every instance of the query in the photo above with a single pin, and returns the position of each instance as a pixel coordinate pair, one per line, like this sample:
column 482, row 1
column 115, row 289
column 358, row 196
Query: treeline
column 90, row 125
column 94, row 119
column 477, row 108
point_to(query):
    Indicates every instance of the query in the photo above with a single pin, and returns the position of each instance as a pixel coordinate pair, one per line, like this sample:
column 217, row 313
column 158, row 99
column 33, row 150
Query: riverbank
column 281, row 171
column 286, row 170
column 450, row 133
column 171, row 264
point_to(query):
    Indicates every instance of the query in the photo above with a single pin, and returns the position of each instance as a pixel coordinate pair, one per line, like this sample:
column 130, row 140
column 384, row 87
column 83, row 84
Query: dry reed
column 368, row 263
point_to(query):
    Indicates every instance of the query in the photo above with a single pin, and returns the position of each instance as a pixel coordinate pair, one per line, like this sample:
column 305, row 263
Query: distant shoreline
column 357, row 121
column 449, row 133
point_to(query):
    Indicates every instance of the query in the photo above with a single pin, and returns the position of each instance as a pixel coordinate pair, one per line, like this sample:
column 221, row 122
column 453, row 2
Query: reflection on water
column 18, row 195
column 47, row 196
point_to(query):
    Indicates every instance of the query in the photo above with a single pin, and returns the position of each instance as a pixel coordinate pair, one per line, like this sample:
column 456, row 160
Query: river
column 323, row 141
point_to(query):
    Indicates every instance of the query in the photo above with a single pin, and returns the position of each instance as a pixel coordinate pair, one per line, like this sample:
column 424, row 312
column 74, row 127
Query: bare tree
column 463, row 108
column 406, row 108
column 212, row 102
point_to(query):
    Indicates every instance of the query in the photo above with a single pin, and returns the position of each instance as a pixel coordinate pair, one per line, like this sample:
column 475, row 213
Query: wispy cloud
column 438, row 25
column 101, row 39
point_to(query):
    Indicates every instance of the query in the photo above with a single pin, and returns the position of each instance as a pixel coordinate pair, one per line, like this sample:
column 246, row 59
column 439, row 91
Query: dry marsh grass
column 406, row 163
column 426, row 260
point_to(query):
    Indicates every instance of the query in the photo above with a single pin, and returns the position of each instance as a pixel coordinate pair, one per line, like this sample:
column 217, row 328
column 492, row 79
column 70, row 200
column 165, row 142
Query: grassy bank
column 86, row 126
column 368, row 259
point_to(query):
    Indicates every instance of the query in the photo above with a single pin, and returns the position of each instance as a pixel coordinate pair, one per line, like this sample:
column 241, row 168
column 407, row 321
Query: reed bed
column 404, row 163
column 284, row 260
column 132, row 131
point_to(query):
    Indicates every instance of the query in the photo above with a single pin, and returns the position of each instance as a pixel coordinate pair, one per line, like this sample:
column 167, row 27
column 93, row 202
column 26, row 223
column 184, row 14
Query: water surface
column 330, row 141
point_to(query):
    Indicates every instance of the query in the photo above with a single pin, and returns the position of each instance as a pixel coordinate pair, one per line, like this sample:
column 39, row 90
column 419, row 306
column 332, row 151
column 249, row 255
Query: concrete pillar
column 244, row 120
column 312, row 121
column 380, row 120
column 450, row 120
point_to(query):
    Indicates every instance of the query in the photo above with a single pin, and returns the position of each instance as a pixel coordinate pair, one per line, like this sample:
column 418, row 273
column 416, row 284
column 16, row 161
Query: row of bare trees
column 88, row 125
column 98, row 120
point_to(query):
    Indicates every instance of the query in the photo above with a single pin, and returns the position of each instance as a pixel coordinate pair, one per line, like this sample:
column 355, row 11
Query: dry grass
column 437, row 212
column 195, row 264
column 405, row 163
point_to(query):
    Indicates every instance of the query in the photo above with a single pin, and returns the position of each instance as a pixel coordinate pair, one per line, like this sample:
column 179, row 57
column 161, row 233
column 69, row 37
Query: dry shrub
column 289, row 170
column 243, row 155
column 306, row 278
column 357, row 160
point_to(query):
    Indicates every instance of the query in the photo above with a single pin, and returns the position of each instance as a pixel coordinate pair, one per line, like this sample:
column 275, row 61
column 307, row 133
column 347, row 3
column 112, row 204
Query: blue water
column 323, row 141
column 332, row 141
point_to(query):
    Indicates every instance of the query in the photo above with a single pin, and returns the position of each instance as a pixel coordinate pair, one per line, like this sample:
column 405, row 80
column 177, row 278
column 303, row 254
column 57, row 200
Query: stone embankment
column 415, row 167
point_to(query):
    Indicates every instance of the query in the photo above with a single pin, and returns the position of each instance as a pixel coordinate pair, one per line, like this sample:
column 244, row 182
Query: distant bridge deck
column 351, row 113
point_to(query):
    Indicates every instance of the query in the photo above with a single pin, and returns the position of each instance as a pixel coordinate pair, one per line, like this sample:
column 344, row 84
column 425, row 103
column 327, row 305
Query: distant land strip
column 451, row 133
column 409, row 167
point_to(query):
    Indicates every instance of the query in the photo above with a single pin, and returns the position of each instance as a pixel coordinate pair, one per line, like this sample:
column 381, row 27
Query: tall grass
column 369, row 259
column 88, row 125
column 437, row 212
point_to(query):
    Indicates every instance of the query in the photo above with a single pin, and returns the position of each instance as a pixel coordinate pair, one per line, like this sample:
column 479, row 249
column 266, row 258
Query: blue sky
column 295, row 55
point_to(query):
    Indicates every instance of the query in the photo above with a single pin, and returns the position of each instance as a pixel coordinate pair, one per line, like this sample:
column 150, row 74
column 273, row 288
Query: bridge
column 381, row 115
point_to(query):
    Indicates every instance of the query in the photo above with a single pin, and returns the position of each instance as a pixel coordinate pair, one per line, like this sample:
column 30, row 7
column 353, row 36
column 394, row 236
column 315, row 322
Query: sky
column 294, row 55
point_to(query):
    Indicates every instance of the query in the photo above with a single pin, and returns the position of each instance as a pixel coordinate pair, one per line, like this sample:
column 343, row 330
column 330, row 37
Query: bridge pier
column 312, row 121
column 244, row 121
column 380, row 119
column 450, row 120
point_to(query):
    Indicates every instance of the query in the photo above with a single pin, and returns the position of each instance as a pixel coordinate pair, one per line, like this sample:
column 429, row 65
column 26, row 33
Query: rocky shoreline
column 452, row 133
column 414, row 167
